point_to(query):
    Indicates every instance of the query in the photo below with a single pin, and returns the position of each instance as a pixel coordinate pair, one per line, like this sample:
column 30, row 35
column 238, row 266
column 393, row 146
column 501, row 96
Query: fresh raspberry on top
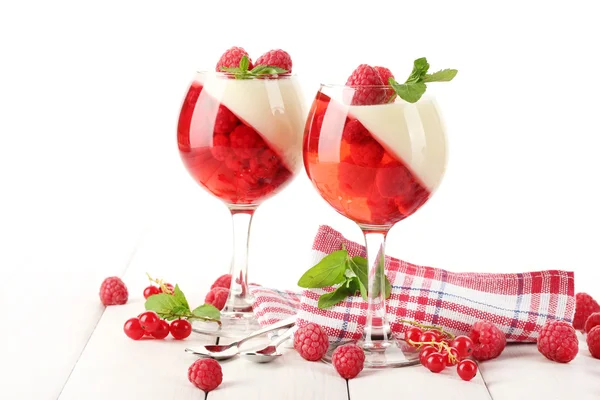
column 592, row 321
column 231, row 58
column 245, row 141
column 367, row 153
column 585, row 305
column 488, row 340
column 206, row 374
column 385, row 74
column 348, row 360
column 355, row 132
column 364, row 78
column 217, row 297
column 311, row 342
column 220, row 147
column 558, row 341
column 225, row 120
column 224, row 281
column 593, row 341
column 113, row 292
column 276, row 58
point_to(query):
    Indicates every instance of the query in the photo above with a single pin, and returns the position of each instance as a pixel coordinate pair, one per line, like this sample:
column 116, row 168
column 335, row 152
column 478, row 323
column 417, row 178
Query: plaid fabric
column 272, row 305
column 519, row 304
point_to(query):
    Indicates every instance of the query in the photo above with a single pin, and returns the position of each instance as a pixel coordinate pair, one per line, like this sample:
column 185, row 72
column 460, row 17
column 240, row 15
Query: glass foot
column 388, row 354
column 233, row 325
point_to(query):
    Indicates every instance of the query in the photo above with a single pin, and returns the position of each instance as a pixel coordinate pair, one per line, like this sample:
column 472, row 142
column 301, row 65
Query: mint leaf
column 410, row 92
column 445, row 75
column 420, row 68
column 332, row 298
column 388, row 288
column 328, row 272
column 353, row 286
column 360, row 268
column 180, row 297
column 206, row 311
column 377, row 285
column 244, row 63
column 163, row 304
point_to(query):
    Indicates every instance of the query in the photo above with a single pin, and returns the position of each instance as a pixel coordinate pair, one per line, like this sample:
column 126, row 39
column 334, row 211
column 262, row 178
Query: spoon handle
column 284, row 323
column 285, row 336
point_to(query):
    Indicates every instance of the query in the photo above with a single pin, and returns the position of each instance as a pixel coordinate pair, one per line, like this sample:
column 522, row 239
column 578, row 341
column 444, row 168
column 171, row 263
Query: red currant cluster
column 150, row 324
column 440, row 349
column 159, row 286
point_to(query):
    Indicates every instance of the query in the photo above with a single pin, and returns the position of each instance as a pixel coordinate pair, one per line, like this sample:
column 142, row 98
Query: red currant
column 425, row 353
column 430, row 336
column 464, row 346
column 180, row 329
column 169, row 287
column 162, row 331
column 413, row 334
column 151, row 290
column 149, row 321
column 435, row 362
column 467, row 369
column 451, row 360
column 133, row 329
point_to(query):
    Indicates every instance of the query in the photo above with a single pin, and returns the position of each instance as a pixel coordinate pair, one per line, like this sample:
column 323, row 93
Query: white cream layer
column 273, row 107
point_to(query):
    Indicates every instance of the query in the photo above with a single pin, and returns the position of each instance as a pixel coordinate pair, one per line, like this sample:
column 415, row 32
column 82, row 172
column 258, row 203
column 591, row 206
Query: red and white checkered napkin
column 519, row 304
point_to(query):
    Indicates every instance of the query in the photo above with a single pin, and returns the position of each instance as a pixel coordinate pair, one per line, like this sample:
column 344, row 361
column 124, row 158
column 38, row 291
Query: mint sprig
column 349, row 273
column 415, row 86
column 242, row 72
column 175, row 306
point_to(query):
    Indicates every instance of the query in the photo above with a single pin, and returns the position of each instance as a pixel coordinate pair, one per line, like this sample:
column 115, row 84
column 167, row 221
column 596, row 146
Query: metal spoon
column 223, row 352
column 268, row 353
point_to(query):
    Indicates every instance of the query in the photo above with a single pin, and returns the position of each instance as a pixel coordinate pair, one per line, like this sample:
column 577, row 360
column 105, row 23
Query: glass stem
column 239, row 300
column 377, row 333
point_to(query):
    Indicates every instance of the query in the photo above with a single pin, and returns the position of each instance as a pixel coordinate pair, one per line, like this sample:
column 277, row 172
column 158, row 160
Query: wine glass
column 241, row 140
column 375, row 164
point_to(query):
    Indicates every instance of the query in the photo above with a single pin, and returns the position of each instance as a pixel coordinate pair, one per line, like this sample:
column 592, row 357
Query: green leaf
column 163, row 304
column 360, row 268
column 244, row 63
column 332, row 298
column 445, row 75
column 258, row 69
column 410, row 92
column 180, row 297
column 420, row 68
column 353, row 285
column 388, row 288
column 207, row 311
column 328, row 272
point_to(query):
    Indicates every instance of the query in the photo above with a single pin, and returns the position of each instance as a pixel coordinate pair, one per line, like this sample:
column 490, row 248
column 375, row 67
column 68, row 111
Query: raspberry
column 355, row 132
column 409, row 204
column 383, row 211
column 592, row 321
column 593, row 341
column 225, row 120
column 311, row 342
column 276, row 58
column 268, row 159
column 113, row 291
column 231, row 58
column 368, row 153
column 585, row 305
column 206, row 374
column 558, row 341
column 355, row 180
column 224, row 281
column 488, row 340
column 220, row 148
column 385, row 74
column 348, row 360
column 217, row 297
column 233, row 162
column 363, row 79
column 395, row 180
column 245, row 141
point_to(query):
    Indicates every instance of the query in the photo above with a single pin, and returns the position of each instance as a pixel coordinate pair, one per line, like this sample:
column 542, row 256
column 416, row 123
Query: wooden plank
column 416, row 382
column 288, row 378
column 521, row 372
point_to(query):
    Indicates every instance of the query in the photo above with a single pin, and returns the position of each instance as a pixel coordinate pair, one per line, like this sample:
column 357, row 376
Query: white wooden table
column 88, row 357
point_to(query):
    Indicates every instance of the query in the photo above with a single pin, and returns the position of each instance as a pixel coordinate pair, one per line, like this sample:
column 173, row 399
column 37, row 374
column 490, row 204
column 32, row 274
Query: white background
column 89, row 100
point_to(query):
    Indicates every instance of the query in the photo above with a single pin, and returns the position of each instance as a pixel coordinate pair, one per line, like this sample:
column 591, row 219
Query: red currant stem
column 160, row 283
column 439, row 346
column 422, row 326
column 170, row 316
